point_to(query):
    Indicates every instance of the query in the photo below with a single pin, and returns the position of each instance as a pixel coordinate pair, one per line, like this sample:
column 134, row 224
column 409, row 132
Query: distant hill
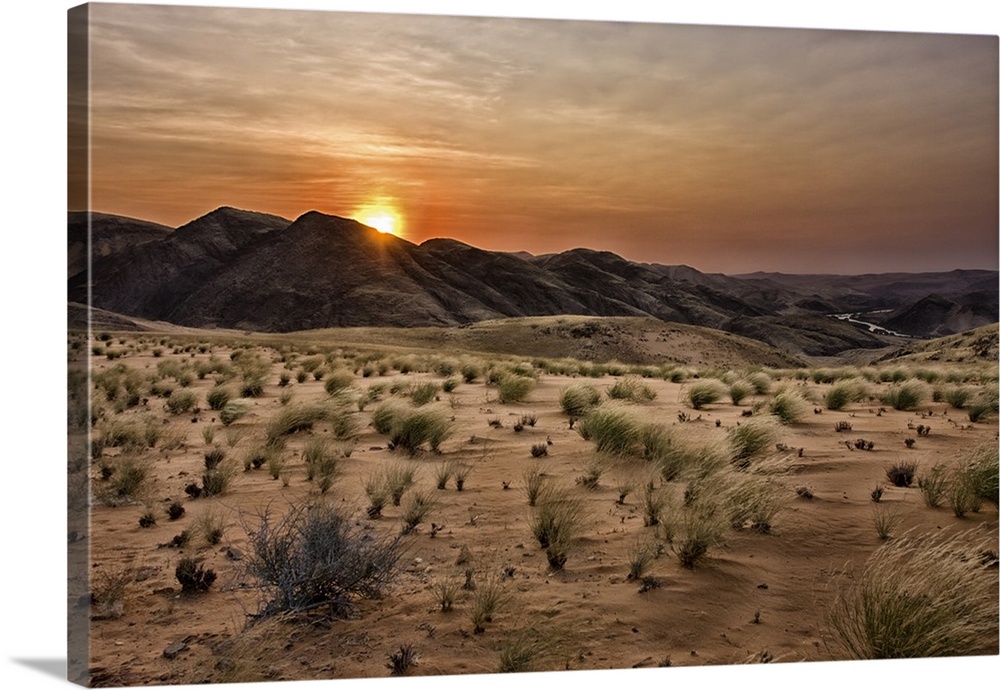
column 108, row 235
column 252, row 271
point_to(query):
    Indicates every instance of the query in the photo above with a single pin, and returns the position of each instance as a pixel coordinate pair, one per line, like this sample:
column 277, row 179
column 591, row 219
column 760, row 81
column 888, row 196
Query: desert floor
column 755, row 596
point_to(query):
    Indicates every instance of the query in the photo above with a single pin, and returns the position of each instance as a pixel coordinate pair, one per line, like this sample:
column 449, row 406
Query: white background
column 32, row 379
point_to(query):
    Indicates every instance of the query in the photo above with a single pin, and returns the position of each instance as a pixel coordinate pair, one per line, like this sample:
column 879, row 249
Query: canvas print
column 418, row 345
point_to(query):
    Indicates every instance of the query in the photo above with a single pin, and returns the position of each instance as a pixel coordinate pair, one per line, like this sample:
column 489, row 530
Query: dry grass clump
column 321, row 463
column 234, row 410
column 556, row 522
column 919, row 597
column 901, row 474
column 985, row 404
column 413, row 428
column 975, row 480
column 524, row 648
column 788, row 406
column 753, row 501
column 293, row 419
column 752, row 439
column 534, row 479
column 418, row 506
column 631, row 389
column 844, row 392
column 315, row 561
column 934, row 485
column 739, row 390
column 613, row 427
column 907, row 395
column 705, row 393
column 695, row 530
column 217, row 479
column 514, row 388
column 338, row 380
column 423, row 393
column 578, row 399
column 218, row 397
column 127, row 479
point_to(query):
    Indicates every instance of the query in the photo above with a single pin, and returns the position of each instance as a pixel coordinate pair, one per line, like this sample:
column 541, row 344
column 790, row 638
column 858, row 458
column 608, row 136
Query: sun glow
column 381, row 216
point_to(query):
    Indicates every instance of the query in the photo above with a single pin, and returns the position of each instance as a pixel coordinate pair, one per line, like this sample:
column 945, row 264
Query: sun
column 381, row 216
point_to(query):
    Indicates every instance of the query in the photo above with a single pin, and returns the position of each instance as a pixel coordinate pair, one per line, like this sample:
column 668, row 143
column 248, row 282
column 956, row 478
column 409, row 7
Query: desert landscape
column 698, row 515
column 432, row 346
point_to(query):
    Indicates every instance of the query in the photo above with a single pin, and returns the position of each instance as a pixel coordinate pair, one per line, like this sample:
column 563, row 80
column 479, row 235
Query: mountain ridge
column 242, row 269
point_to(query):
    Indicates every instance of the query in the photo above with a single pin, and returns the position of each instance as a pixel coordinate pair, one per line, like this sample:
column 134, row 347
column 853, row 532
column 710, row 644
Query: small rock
column 233, row 554
column 174, row 648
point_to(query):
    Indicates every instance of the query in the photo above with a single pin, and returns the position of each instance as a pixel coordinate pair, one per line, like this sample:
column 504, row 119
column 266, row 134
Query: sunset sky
column 727, row 149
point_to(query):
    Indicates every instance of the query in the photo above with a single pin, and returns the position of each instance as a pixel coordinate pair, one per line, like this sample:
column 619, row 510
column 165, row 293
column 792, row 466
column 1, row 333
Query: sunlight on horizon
column 381, row 215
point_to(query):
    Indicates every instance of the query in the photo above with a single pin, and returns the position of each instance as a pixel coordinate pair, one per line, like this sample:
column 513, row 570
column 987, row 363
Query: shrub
column 514, row 388
column 901, row 473
column 314, row 561
column 181, row 401
column 556, row 523
column 958, row 396
column 216, row 481
column 211, row 526
column 175, row 511
column 918, row 597
column 193, row 576
column 906, row 396
column 788, row 406
column 539, row 450
column 705, row 393
column 337, row 381
column 577, row 400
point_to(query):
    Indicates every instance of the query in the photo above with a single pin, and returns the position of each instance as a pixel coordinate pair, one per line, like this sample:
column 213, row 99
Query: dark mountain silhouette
column 239, row 269
column 108, row 235
column 936, row 316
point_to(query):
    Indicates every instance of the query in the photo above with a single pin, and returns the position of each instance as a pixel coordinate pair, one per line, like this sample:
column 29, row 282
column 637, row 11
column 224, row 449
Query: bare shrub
column 314, row 560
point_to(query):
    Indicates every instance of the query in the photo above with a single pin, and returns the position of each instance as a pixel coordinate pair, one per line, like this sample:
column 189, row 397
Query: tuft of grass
column 918, row 597
column 640, row 556
column 752, row 439
column 631, row 389
column 740, row 390
column 218, row 397
column 788, row 406
column 401, row 660
column 907, row 395
column 181, row 401
column 514, row 388
column 418, row 506
column 217, row 480
column 934, row 485
column 489, row 595
column 336, row 381
column 292, row 420
column 613, row 427
column 423, row 393
column 698, row 529
column 978, row 471
column 705, row 393
column 534, row 479
column 845, row 392
column 983, row 405
column 234, row 410
column 411, row 429
column 129, row 480
column 577, row 400
column 556, row 523
column 211, row 526
column 754, row 501
column 443, row 474
column 885, row 518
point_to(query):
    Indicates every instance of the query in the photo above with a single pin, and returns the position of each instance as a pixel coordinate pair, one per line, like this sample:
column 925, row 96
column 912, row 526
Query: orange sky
column 726, row 149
